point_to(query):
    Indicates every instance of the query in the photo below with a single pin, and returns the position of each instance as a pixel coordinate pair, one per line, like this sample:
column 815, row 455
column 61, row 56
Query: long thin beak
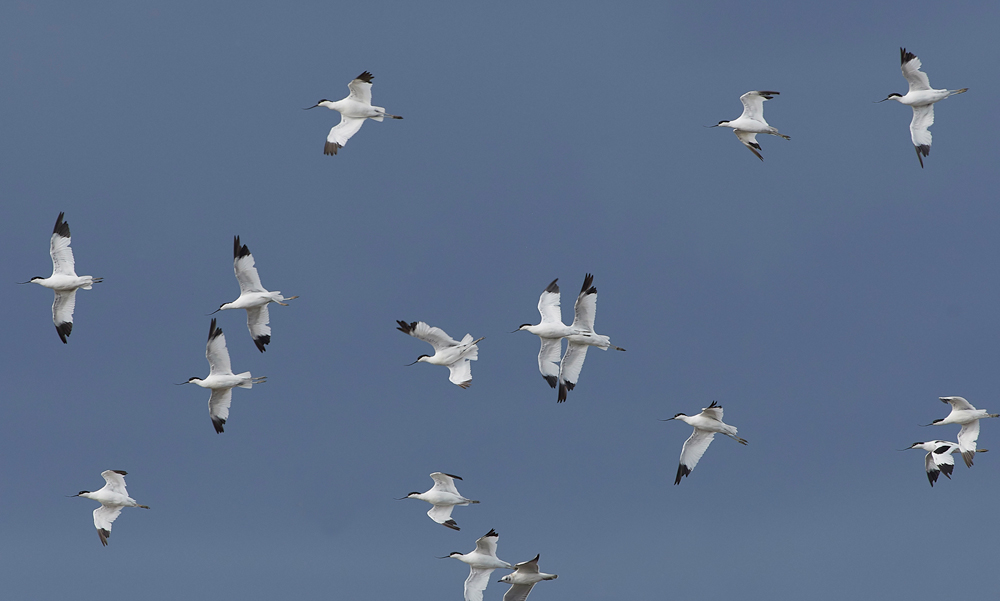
column 213, row 312
column 878, row 101
column 514, row 332
column 28, row 282
column 409, row 364
column 310, row 107
column 402, row 498
column 716, row 125
column 181, row 383
column 445, row 557
column 664, row 420
column 925, row 425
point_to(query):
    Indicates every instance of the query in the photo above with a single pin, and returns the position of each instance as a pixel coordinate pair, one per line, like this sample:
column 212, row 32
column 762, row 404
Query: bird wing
column 548, row 304
column 115, row 481
column 923, row 118
column 548, row 359
column 930, row 466
column 694, row 447
column 444, row 482
column 342, row 132
column 59, row 250
column 967, row 437
column 753, row 104
column 749, row 140
column 476, row 583
column 572, row 363
column 217, row 353
column 460, row 373
column 436, row 337
column 62, row 312
column 361, row 89
column 257, row 320
column 517, row 592
column 440, row 513
column 911, row 71
column 246, row 273
column 941, row 456
column 487, row 545
column 957, row 403
column 218, row 407
column 528, row 567
column 103, row 516
column 713, row 411
column 585, row 308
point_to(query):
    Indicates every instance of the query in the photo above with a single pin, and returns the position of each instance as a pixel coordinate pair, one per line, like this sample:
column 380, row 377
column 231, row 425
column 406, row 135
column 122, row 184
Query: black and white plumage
column 938, row 459
column 443, row 497
column 581, row 337
column 752, row 122
column 525, row 576
column 551, row 330
column 112, row 497
column 354, row 110
column 967, row 416
column 481, row 561
column 63, row 282
column 449, row 352
column 706, row 424
column 253, row 296
column 921, row 98
column 221, row 380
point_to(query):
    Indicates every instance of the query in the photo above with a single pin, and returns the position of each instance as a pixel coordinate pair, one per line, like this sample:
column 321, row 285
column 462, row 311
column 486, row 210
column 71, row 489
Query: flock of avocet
column 560, row 369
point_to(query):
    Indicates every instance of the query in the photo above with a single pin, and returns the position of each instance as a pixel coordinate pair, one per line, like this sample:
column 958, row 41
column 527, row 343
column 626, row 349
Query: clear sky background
column 825, row 297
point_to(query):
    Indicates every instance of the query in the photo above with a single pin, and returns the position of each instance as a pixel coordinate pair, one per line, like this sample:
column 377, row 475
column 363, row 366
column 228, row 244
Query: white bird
column 963, row 413
column 921, row 97
column 63, row 281
column 112, row 498
column 706, row 424
column 447, row 351
column 353, row 111
column 581, row 337
column 752, row 122
column 551, row 330
column 938, row 459
column 526, row 575
column 481, row 562
column 444, row 497
column 221, row 379
column 253, row 296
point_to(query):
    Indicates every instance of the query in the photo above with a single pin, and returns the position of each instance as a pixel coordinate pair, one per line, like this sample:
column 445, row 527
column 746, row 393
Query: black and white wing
column 442, row 515
column 585, row 309
column 460, row 373
column 958, row 403
column 436, row 337
column 361, row 88
column 476, row 583
column 218, row 407
column 967, row 437
column 923, row 118
column 103, row 516
column 59, row 250
column 714, row 411
column 694, row 447
column 243, row 265
column 444, row 482
column 115, row 481
column 62, row 312
column 569, row 369
column 216, row 352
column 341, row 133
column 257, row 320
column 749, row 140
column 910, row 65
column 548, row 360
column 548, row 304
column 753, row 104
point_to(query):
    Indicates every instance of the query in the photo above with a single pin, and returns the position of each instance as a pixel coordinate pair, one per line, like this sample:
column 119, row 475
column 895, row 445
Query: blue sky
column 825, row 297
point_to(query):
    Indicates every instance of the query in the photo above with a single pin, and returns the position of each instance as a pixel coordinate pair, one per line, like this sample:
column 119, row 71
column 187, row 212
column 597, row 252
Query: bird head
column 189, row 380
column 508, row 578
column 37, row 277
column 893, row 95
column 320, row 103
column 419, row 359
column 522, row 326
column 409, row 496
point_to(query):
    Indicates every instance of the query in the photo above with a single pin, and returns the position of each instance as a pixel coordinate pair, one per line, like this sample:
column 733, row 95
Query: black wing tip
column 562, row 393
column 451, row 524
column 552, row 380
column 768, row 93
column 905, row 57
column 213, row 330
column 713, row 405
column 452, row 476
column 553, row 287
column 588, row 281
column 239, row 251
column 947, row 470
column 365, row 77
column 218, row 422
column 61, row 227
column 492, row 532
column 465, row 384
column 330, row 148
column 122, row 472
column 103, row 535
column 261, row 341
column 64, row 329
column 682, row 472
column 406, row 327
column 932, row 477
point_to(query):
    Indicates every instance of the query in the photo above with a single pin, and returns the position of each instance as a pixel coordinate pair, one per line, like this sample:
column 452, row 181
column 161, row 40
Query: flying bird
column 921, row 97
column 551, row 330
column 963, row 413
column 443, row 496
column 525, row 576
column 482, row 561
column 63, row 281
column 752, row 122
column 581, row 337
column 221, row 379
column 112, row 498
column 938, row 459
column 447, row 351
column 353, row 111
column 253, row 296
column 706, row 424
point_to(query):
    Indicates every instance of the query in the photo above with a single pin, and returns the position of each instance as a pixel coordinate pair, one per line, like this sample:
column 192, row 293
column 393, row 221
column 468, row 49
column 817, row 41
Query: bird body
column 482, row 561
column 964, row 414
column 752, row 122
column 354, row 110
column 449, row 352
column 581, row 337
column 938, row 459
column 253, row 296
column 444, row 496
column 921, row 98
column 525, row 576
column 221, row 379
column 112, row 497
column 551, row 330
column 706, row 425
column 63, row 282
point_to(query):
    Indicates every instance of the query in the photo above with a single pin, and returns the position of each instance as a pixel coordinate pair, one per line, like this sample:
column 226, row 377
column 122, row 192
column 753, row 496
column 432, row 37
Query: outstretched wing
column 444, row 482
column 460, row 373
column 243, row 265
column 569, row 369
column 967, row 437
column 216, row 351
column 753, row 104
column 341, row 133
column 548, row 304
column 59, row 250
column 361, row 88
column 548, row 360
column 910, row 65
column 923, row 118
column 585, row 309
column 517, row 592
column 442, row 515
column 694, row 447
column 218, row 407
column 103, row 516
column 476, row 583
column 749, row 140
column 436, row 337
column 257, row 320
column 115, row 481
column 62, row 312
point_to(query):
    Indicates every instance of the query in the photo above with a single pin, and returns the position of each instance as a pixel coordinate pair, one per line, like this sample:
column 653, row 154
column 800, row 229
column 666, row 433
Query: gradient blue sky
column 825, row 297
